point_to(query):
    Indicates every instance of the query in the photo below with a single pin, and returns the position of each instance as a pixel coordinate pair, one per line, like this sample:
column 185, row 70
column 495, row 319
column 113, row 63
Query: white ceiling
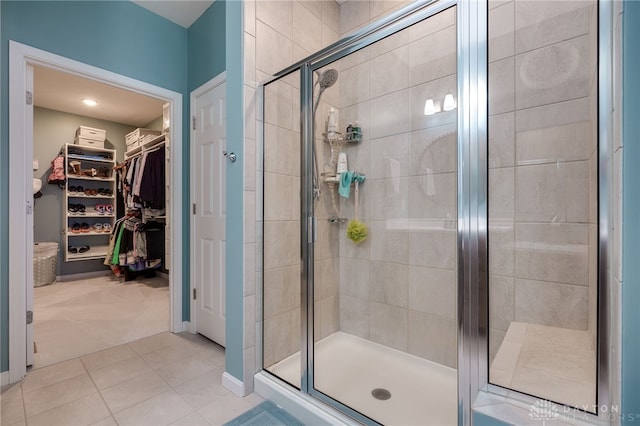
column 64, row 92
column 181, row 12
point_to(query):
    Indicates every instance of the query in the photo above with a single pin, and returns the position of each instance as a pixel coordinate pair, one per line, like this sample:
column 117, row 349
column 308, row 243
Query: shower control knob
column 231, row 156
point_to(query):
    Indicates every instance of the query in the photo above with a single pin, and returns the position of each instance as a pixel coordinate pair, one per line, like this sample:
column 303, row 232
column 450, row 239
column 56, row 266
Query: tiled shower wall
column 542, row 165
column 398, row 288
column 277, row 34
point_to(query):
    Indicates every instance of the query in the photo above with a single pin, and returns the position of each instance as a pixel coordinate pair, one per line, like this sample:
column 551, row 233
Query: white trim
column 308, row 410
column 82, row 276
column 21, row 254
column 4, row 378
column 209, row 85
column 234, row 385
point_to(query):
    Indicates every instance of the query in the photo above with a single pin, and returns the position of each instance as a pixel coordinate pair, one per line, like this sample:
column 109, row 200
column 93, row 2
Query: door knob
column 231, row 156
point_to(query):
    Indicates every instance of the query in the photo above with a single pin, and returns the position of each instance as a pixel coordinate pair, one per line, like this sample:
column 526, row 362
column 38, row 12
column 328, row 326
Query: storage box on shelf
column 88, row 202
column 89, row 136
column 135, row 139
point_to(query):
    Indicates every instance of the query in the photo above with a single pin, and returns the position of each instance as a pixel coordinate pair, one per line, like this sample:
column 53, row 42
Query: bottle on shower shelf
column 356, row 132
column 332, row 125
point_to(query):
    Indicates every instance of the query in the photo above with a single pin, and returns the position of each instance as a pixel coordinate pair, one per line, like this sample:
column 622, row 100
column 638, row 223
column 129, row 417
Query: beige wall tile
column 282, row 240
column 281, row 290
column 501, row 194
column 390, row 114
column 435, row 23
column 435, row 248
column 541, row 23
column 389, row 325
column 554, row 304
column 553, row 252
column 278, row 105
column 389, row 283
column 433, row 196
column 387, row 244
column 331, row 14
column 433, row 337
column 281, row 336
column 501, row 32
column 553, row 192
column 354, row 278
column 501, row 248
column 277, row 14
column 436, row 90
column 554, row 73
column 501, row 302
column 274, row 51
column 357, row 89
column 433, row 150
column 389, row 72
column 353, row 14
column 354, row 316
column 281, row 150
column 307, row 26
column 432, row 57
column 388, row 198
column 433, row 291
column 502, row 140
column 502, row 86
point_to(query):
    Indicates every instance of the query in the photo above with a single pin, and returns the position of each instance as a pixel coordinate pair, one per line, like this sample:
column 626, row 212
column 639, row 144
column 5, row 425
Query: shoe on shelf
column 83, row 249
column 85, row 227
column 76, row 228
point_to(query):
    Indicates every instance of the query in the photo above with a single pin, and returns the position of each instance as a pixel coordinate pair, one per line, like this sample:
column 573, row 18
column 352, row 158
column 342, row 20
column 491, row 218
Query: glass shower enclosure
column 417, row 197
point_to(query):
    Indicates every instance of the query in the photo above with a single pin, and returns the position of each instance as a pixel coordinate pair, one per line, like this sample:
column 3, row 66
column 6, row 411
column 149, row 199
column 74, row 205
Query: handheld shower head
column 328, row 78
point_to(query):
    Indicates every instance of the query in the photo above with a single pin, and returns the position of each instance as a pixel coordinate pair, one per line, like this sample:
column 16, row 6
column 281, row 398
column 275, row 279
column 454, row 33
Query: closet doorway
column 23, row 132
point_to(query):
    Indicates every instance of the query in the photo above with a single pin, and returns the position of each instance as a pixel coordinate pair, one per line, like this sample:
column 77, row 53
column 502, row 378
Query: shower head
column 328, row 78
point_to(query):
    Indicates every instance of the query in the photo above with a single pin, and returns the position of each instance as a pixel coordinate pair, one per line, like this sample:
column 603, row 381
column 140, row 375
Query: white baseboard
column 233, row 384
column 4, row 378
column 83, row 276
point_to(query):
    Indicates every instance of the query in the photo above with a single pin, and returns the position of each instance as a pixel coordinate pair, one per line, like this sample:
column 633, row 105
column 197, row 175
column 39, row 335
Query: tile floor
column 76, row 318
column 165, row 379
column 551, row 362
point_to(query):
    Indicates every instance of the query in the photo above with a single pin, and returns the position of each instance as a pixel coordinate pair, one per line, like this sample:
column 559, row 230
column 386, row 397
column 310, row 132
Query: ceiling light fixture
column 89, row 102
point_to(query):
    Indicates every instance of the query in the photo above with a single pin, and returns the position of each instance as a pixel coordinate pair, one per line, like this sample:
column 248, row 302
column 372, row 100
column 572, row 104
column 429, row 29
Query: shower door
column 384, row 308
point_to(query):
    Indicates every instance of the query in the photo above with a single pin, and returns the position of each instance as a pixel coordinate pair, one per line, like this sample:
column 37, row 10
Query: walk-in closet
column 101, row 216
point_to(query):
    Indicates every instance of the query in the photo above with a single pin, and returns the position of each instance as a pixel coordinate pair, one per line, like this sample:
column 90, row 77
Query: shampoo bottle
column 332, row 124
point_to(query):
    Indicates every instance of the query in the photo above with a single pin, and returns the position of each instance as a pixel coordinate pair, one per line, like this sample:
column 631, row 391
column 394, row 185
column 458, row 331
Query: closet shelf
column 100, row 158
column 76, row 195
column 95, row 252
column 87, row 234
column 90, row 159
column 97, row 179
column 92, row 215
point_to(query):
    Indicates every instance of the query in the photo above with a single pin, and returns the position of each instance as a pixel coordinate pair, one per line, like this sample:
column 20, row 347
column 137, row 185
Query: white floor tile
column 84, row 411
column 11, row 406
column 187, row 368
column 193, row 419
column 203, row 389
column 134, row 391
column 107, row 421
column 53, row 374
column 225, row 408
column 162, row 409
column 107, row 357
column 63, row 392
column 119, row 372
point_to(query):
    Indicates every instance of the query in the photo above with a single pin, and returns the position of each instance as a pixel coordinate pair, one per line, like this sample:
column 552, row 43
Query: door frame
column 201, row 90
column 20, row 152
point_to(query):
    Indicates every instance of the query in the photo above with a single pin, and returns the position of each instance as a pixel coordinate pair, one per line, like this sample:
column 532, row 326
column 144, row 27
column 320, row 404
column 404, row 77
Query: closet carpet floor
column 76, row 318
column 166, row 379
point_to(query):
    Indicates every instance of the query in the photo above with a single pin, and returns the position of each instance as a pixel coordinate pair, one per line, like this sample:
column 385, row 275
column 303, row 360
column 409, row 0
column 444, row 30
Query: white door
column 29, row 195
column 209, row 211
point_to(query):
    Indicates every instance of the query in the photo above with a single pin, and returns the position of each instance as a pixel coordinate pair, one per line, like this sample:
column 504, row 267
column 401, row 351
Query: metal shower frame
column 472, row 177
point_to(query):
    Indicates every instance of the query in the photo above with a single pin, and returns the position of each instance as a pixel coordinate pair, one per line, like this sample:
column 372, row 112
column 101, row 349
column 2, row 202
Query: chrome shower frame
column 472, row 241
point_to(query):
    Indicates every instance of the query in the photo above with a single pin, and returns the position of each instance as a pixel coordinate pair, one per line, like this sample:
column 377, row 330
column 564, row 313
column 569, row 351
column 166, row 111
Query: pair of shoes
column 102, row 227
column 103, row 208
column 76, row 189
column 81, row 249
column 105, row 192
column 77, row 208
column 90, row 191
column 97, row 227
column 102, row 172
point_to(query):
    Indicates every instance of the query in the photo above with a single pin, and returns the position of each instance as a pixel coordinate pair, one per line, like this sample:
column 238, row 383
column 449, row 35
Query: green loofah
column 357, row 231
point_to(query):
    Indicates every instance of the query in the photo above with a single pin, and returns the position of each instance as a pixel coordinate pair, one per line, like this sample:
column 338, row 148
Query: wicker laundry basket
column 45, row 259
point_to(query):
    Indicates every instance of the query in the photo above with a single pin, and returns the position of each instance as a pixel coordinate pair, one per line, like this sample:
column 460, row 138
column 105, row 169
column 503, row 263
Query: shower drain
column 381, row 394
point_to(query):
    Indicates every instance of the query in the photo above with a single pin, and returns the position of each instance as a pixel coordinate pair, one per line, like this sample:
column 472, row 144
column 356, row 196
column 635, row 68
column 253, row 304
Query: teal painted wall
column 631, row 215
column 117, row 36
column 206, row 44
column 235, row 187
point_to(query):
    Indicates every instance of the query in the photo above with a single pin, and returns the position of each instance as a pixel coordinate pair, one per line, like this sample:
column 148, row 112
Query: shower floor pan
column 349, row 368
